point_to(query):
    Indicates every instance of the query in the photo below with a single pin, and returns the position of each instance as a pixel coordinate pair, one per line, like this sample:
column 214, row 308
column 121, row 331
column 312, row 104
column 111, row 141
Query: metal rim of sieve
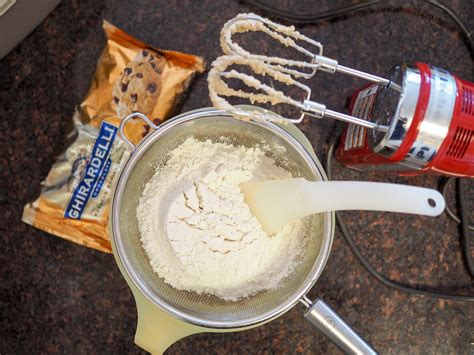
column 316, row 270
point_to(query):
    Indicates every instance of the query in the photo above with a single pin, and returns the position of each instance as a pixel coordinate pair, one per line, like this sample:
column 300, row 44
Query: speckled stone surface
column 56, row 296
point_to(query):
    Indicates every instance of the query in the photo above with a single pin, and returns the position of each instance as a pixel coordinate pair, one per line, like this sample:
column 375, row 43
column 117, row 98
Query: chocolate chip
column 124, row 87
column 134, row 97
column 151, row 87
column 153, row 65
column 145, row 53
column 116, row 100
column 139, row 75
column 127, row 71
column 146, row 130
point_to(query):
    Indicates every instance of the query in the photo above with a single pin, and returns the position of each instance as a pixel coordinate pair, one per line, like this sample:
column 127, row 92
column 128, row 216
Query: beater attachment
column 283, row 70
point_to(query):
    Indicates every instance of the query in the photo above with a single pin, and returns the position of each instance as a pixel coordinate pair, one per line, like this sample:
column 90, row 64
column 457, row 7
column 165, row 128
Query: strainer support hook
column 129, row 117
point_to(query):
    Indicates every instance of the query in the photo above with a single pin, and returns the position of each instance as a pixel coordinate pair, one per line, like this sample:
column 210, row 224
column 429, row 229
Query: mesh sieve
column 151, row 156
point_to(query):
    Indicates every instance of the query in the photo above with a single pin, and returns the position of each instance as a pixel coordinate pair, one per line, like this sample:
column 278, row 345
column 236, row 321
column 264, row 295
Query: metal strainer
column 292, row 151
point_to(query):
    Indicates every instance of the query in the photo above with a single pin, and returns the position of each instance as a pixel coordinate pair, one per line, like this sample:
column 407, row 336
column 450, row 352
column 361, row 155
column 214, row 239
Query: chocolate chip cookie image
column 156, row 61
column 136, row 89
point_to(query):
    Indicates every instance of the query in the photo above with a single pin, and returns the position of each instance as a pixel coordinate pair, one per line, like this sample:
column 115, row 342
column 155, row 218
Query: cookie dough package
column 130, row 76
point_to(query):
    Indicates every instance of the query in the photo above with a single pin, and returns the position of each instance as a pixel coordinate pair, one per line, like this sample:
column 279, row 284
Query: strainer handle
column 129, row 117
column 156, row 330
column 328, row 322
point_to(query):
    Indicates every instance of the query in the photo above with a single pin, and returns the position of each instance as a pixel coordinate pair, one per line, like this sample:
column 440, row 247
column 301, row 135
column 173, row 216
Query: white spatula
column 276, row 203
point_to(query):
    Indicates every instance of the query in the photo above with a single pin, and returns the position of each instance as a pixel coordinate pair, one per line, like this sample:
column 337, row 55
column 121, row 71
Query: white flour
column 199, row 233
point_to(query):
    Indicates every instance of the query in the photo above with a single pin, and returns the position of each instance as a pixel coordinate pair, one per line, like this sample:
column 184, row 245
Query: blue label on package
column 102, row 178
column 95, row 172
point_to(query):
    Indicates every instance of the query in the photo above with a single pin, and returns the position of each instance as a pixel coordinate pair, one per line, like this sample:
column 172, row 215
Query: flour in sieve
column 199, row 233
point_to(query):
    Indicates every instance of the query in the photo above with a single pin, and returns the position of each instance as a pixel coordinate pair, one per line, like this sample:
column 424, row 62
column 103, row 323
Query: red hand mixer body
column 431, row 125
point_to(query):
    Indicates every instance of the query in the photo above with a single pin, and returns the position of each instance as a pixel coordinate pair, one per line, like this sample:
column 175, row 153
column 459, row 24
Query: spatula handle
column 374, row 196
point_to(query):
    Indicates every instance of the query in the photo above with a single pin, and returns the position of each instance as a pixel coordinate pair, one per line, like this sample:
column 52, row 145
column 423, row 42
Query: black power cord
column 465, row 228
column 361, row 5
column 462, row 219
column 465, row 232
column 366, row 264
column 444, row 190
column 467, row 35
column 312, row 18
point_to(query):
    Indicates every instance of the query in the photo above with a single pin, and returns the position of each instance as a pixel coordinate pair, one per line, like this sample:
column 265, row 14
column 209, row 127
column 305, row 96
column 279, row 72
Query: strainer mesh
column 206, row 307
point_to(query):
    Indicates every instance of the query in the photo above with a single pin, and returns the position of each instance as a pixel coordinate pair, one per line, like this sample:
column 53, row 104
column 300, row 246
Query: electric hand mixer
column 420, row 120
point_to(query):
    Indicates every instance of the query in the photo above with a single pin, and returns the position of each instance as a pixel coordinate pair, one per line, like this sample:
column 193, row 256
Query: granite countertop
column 56, row 296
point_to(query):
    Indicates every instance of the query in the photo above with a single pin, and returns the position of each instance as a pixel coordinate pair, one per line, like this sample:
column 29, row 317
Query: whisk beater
column 287, row 36
column 218, row 90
